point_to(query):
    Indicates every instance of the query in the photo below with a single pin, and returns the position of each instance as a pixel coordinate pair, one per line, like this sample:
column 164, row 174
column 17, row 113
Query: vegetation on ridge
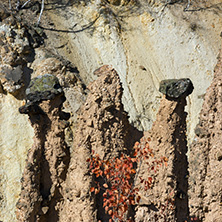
column 116, row 178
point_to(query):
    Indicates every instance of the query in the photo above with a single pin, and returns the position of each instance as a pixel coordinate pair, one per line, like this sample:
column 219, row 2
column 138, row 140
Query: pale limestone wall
column 15, row 139
column 144, row 49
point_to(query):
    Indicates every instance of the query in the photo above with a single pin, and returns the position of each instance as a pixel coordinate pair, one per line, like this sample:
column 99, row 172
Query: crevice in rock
column 180, row 168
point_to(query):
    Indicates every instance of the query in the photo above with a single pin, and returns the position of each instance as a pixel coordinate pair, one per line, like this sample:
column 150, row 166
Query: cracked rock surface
column 205, row 158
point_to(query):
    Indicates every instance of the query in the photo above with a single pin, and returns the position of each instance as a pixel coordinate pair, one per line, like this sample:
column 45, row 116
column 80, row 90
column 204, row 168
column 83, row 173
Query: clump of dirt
column 103, row 126
column 205, row 165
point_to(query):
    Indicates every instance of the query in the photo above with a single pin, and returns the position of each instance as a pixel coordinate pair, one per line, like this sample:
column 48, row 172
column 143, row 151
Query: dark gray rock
column 11, row 79
column 43, row 88
column 176, row 88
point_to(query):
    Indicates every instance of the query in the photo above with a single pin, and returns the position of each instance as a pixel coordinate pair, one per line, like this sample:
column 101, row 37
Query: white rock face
column 144, row 48
column 15, row 140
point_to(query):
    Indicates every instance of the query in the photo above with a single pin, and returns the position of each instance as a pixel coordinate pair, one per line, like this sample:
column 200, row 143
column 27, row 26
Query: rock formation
column 48, row 159
column 205, row 166
column 145, row 42
column 22, row 59
column 167, row 200
column 103, row 126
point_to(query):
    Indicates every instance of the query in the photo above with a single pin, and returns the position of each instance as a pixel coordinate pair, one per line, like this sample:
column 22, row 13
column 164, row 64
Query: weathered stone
column 165, row 46
column 43, row 88
column 17, row 41
column 11, row 79
column 47, row 65
column 219, row 155
column 114, row 2
column 175, row 88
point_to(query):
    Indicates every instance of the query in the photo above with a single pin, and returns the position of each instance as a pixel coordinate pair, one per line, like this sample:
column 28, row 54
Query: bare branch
column 188, row 5
column 9, row 4
column 25, row 3
column 42, row 8
column 17, row 5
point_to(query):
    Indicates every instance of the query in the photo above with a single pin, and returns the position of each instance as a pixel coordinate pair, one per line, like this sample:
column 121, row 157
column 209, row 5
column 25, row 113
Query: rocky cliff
column 57, row 106
column 205, row 167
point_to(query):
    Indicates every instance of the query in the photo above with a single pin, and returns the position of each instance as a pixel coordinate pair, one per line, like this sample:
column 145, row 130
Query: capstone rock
column 175, row 88
column 42, row 88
